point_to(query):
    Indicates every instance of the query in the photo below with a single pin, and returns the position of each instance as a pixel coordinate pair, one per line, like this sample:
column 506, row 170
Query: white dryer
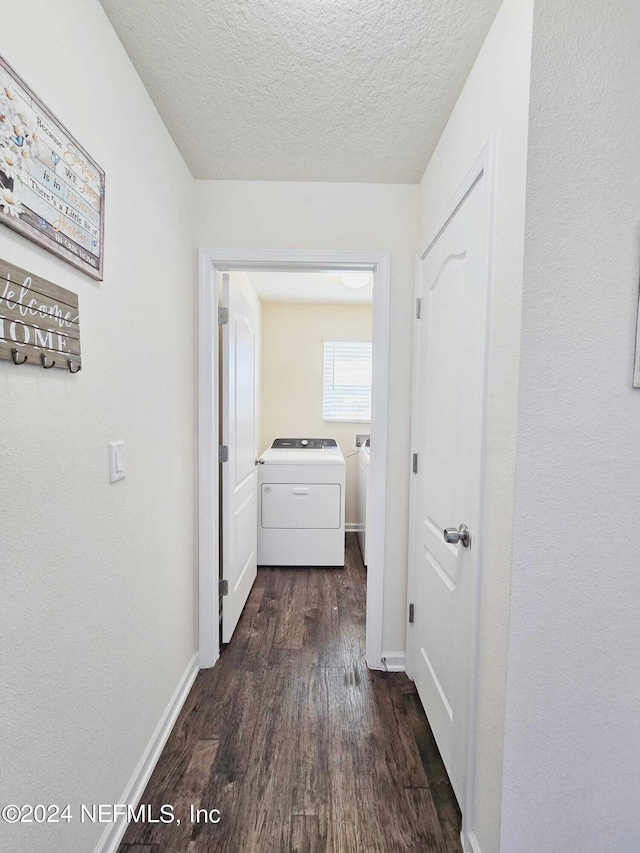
column 302, row 503
column 363, row 498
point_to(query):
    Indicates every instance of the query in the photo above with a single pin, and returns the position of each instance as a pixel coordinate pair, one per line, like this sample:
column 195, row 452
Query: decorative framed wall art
column 51, row 190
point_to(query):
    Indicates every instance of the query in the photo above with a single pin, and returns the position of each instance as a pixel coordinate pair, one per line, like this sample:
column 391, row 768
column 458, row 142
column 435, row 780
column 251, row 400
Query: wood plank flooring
column 296, row 742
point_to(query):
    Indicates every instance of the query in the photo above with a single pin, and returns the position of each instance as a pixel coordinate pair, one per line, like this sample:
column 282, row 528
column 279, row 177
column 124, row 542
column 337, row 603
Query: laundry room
column 295, row 400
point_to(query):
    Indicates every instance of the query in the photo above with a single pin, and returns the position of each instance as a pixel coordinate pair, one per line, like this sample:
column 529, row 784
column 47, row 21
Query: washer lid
column 304, row 456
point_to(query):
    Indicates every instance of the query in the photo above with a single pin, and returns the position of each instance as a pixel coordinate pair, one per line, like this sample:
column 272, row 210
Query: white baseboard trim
column 470, row 843
column 114, row 832
column 353, row 527
column 395, row 661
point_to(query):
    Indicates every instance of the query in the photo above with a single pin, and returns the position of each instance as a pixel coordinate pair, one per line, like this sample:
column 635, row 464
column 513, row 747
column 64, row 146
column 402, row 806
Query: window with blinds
column 347, row 381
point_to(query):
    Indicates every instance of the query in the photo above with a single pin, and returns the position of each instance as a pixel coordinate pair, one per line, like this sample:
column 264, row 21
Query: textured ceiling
column 308, row 287
column 304, row 90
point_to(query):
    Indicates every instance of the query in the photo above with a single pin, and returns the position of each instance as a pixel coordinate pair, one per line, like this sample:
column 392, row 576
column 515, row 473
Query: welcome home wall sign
column 39, row 321
column 51, row 191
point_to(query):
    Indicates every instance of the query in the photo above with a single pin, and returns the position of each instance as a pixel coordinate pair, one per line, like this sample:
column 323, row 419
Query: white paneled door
column 450, row 389
column 239, row 477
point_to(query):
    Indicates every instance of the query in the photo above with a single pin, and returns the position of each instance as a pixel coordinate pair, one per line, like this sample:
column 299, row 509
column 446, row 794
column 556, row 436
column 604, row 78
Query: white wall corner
column 395, row 661
column 114, row 832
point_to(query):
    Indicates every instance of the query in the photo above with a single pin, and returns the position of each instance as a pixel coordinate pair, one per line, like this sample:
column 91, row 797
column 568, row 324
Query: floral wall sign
column 51, row 191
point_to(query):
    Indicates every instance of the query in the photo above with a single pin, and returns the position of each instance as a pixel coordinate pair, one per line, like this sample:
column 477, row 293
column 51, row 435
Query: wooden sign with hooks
column 39, row 321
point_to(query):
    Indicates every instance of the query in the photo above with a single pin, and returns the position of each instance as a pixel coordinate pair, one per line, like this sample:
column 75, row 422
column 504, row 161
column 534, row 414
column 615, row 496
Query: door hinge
column 224, row 587
column 418, row 309
column 411, row 614
column 415, row 463
column 223, row 316
column 223, row 453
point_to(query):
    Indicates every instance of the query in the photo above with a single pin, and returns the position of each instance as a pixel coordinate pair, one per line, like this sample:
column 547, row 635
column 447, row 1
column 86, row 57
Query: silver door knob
column 461, row 535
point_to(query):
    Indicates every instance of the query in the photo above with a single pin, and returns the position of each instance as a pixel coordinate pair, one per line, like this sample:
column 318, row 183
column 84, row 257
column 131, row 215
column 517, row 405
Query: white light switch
column 117, row 462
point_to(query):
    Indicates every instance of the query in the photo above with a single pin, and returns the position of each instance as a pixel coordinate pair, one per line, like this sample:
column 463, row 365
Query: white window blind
column 347, row 381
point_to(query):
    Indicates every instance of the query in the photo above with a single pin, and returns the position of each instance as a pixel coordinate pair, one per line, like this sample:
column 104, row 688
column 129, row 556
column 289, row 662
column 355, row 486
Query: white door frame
column 484, row 165
column 210, row 263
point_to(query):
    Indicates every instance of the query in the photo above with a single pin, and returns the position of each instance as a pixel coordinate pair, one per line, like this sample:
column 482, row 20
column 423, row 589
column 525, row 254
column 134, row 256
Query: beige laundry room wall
column 292, row 377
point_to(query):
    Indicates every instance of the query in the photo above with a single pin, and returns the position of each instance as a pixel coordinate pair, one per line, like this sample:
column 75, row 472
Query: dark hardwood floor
column 296, row 742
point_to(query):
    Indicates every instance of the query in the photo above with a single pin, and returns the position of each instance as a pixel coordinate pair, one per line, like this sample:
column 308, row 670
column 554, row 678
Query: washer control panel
column 304, row 443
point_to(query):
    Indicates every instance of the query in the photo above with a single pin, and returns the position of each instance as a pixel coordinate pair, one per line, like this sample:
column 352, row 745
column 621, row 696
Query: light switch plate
column 117, row 461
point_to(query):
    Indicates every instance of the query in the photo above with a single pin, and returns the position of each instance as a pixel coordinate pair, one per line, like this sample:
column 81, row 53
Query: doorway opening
column 234, row 288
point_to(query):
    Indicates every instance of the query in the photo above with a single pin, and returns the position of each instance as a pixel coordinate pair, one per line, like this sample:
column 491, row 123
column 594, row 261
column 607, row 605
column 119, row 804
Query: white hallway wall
column 572, row 743
column 495, row 99
column 98, row 604
column 281, row 215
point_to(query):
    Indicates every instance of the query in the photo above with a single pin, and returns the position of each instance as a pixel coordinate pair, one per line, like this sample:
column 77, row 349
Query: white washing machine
column 302, row 500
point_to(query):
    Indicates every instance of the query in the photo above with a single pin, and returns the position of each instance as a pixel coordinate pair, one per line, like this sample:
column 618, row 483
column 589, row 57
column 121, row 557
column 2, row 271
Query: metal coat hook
column 14, row 356
column 43, row 360
column 71, row 370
